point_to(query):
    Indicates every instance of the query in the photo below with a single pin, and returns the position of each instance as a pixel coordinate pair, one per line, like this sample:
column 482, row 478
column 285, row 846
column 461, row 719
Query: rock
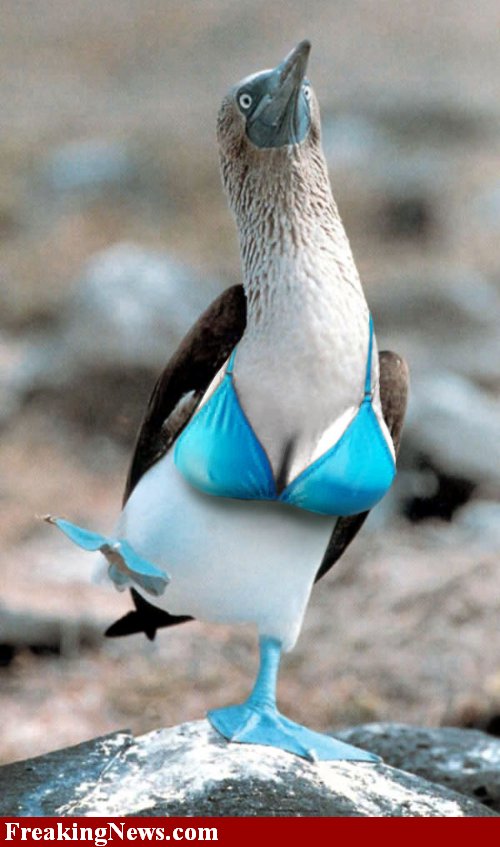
column 130, row 308
column 49, row 602
column 12, row 355
column 435, row 123
column 88, row 166
column 125, row 318
column 409, row 192
column 34, row 787
column 447, row 330
column 479, row 521
column 444, row 321
column 351, row 140
column 466, row 760
column 447, row 321
column 455, row 425
column 45, row 632
column 485, row 208
column 437, row 306
column 190, row 770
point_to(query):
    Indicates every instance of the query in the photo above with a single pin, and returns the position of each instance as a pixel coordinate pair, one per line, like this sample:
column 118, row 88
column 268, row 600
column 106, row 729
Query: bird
column 274, row 428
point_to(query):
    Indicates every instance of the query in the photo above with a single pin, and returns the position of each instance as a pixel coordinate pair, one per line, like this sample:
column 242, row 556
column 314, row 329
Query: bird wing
column 175, row 398
column 185, row 379
column 394, row 382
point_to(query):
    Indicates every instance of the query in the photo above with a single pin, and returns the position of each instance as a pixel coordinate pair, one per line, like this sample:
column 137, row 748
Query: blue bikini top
column 219, row 453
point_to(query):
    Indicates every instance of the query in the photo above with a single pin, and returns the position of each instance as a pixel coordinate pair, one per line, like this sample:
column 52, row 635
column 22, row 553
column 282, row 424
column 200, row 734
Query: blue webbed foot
column 254, row 724
column 125, row 565
column 257, row 720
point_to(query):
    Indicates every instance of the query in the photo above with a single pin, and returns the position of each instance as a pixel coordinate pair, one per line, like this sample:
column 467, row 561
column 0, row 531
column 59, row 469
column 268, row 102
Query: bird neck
column 295, row 254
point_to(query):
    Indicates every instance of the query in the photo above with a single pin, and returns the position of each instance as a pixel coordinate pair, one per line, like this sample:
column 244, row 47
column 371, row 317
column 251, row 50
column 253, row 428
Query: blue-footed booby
column 274, row 428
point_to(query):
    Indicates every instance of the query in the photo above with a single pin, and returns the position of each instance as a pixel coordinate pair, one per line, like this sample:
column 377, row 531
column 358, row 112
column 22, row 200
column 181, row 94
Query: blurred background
column 114, row 234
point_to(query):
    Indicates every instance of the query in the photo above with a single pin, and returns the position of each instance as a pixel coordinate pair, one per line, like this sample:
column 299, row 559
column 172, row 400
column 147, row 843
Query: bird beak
column 283, row 115
column 293, row 67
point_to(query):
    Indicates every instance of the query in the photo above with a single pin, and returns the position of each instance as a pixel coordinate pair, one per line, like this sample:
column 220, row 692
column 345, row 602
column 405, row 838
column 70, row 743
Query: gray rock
column 435, row 121
column 455, row 424
column 38, row 786
column 467, row 761
column 445, row 321
column 446, row 327
column 31, row 628
column 486, row 208
column 12, row 355
column 88, row 166
column 118, row 329
column 130, row 308
column 437, row 306
column 479, row 523
column 352, row 140
column 190, row 770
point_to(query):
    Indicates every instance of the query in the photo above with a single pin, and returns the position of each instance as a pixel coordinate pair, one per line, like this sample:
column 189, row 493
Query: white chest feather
column 301, row 365
column 294, row 383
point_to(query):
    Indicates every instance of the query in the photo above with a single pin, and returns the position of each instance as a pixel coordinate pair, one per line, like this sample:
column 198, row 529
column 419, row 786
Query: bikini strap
column 230, row 364
column 368, row 377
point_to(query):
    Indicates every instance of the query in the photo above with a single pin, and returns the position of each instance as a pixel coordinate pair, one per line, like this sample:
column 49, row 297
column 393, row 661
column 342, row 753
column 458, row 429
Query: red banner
column 101, row 832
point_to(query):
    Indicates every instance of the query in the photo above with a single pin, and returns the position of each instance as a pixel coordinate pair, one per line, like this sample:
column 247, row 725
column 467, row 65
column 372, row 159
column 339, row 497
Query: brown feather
column 190, row 371
column 394, row 383
column 199, row 356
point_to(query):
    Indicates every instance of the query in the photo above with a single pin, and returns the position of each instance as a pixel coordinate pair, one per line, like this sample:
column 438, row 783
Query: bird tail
column 145, row 618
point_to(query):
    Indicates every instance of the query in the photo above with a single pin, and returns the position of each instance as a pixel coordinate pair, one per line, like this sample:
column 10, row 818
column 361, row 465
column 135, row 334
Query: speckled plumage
column 300, row 366
column 302, row 333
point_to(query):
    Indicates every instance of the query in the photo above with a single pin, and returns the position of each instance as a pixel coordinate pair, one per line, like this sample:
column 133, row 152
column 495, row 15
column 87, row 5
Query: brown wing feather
column 190, row 370
column 200, row 355
column 394, row 382
column 188, row 374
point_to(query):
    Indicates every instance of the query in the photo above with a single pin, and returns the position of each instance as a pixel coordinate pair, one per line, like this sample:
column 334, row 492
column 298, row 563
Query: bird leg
column 258, row 721
column 125, row 565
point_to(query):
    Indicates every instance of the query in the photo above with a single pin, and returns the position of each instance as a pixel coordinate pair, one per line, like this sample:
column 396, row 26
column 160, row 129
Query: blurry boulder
column 485, row 208
column 455, row 425
column 467, row 761
column 130, row 308
column 446, row 321
column 352, row 139
column 441, row 120
column 408, row 214
column 396, row 159
column 12, row 354
column 43, row 633
column 437, row 306
column 48, row 601
column 446, row 327
column 409, row 186
column 89, row 166
column 479, row 521
column 118, row 329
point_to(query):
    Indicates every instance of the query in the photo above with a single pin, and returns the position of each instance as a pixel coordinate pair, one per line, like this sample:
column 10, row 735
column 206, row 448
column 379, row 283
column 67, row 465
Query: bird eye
column 307, row 91
column 245, row 101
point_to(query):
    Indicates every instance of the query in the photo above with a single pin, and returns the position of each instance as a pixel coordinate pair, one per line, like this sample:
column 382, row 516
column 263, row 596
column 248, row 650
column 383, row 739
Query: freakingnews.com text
column 102, row 835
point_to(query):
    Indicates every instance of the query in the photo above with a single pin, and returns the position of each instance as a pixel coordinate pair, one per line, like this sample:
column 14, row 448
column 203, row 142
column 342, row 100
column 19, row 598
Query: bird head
column 268, row 117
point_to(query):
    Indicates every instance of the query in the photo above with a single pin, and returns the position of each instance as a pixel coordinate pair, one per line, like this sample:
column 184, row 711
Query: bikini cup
column 219, row 454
